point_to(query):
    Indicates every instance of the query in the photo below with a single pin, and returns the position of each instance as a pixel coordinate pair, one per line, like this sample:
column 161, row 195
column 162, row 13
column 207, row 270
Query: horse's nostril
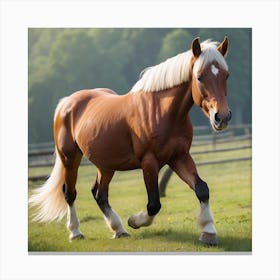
column 217, row 117
column 229, row 115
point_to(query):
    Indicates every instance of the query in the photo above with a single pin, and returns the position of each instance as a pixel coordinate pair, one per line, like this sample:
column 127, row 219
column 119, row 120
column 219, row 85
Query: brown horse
column 146, row 128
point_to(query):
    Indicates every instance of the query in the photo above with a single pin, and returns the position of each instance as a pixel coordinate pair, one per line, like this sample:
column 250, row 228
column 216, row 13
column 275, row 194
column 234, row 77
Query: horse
column 147, row 128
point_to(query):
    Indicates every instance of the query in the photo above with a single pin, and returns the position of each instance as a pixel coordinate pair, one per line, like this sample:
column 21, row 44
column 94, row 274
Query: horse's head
column 209, row 75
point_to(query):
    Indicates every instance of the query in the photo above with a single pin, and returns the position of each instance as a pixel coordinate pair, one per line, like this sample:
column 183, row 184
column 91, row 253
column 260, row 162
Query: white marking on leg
column 205, row 218
column 114, row 223
column 73, row 222
column 141, row 219
column 214, row 69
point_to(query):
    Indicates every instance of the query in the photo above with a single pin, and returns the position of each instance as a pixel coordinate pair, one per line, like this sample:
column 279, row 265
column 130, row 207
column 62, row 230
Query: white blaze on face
column 214, row 70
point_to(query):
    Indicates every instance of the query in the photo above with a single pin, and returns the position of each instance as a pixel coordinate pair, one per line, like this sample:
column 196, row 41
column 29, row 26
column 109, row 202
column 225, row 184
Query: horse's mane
column 176, row 70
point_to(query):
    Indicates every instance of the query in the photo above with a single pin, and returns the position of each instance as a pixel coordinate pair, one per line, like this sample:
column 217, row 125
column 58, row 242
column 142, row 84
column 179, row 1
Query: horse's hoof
column 131, row 223
column 209, row 239
column 121, row 235
column 77, row 237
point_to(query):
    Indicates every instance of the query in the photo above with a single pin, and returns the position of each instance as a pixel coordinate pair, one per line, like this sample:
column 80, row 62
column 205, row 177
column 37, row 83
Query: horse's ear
column 196, row 47
column 223, row 47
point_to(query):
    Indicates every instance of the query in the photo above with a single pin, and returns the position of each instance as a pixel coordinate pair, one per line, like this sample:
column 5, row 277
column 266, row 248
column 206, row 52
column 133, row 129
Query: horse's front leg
column 186, row 170
column 150, row 169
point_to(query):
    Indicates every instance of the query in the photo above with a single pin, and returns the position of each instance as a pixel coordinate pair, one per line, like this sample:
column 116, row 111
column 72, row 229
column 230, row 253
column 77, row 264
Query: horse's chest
column 177, row 145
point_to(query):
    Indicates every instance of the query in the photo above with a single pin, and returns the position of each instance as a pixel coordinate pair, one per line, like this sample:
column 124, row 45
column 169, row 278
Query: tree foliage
column 61, row 61
column 176, row 41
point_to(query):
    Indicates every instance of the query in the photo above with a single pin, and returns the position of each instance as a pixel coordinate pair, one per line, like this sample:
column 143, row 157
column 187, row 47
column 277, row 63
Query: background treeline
column 61, row 61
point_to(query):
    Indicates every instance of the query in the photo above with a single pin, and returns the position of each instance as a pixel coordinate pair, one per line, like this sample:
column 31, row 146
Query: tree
column 175, row 42
column 40, row 41
column 145, row 44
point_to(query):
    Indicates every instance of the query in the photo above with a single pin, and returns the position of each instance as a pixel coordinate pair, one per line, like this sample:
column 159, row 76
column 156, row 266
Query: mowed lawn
column 175, row 227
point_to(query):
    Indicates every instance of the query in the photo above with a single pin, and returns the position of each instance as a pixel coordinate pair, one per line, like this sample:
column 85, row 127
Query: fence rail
column 42, row 155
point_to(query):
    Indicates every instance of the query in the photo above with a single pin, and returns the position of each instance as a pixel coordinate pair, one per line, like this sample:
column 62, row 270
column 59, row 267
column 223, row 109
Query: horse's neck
column 180, row 102
column 169, row 107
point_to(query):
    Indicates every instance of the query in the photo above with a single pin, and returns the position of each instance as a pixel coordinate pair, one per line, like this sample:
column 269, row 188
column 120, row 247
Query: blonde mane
column 176, row 70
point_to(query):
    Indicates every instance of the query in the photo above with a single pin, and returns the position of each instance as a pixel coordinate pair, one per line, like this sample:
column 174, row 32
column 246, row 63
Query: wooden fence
column 42, row 155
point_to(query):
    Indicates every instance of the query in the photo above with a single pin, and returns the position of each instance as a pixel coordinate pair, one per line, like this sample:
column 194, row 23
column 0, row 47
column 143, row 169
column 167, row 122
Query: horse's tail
column 49, row 199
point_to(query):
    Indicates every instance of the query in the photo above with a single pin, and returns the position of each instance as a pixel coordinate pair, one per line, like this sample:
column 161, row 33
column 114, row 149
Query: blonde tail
column 49, row 199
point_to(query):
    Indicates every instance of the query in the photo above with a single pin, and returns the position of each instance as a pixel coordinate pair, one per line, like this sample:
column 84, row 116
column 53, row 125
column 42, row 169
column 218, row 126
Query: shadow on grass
column 90, row 218
column 226, row 243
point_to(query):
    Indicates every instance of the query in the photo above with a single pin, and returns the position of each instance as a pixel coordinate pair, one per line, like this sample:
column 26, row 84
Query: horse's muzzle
column 219, row 121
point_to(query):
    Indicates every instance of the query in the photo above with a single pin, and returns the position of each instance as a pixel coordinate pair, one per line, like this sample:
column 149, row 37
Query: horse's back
column 86, row 95
column 78, row 101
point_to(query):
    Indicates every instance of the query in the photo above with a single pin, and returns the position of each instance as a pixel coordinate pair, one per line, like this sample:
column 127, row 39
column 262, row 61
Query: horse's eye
column 199, row 78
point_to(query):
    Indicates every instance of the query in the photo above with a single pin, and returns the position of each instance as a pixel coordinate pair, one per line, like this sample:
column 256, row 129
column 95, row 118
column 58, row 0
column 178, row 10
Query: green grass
column 174, row 229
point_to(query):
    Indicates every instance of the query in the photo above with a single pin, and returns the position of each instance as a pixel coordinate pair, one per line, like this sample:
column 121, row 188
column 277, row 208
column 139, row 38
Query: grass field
column 174, row 229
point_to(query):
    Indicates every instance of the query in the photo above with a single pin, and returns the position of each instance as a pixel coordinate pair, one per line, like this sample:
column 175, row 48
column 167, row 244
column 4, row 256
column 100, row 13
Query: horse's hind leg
column 71, row 159
column 100, row 194
column 73, row 224
column 71, row 156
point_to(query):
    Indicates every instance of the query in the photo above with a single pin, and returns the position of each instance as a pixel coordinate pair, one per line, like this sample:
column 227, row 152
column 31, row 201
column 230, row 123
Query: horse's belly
column 110, row 149
column 120, row 164
column 113, row 159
